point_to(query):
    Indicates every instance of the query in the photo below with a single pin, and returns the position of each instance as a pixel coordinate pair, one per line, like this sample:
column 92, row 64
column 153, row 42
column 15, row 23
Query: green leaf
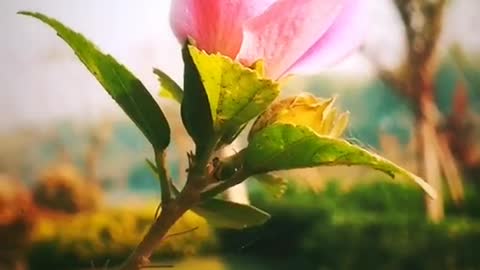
column 286, row 146
column 225, row 214
column 195, row 108
column 236, row 94
column 168, row 87
column 121, row 84
column 230, row 135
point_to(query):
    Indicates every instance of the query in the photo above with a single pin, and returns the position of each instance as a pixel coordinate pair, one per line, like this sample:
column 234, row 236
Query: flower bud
column 304, row 110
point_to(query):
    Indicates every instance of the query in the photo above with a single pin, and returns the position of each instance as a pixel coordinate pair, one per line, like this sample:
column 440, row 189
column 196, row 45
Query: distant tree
column 415, row 80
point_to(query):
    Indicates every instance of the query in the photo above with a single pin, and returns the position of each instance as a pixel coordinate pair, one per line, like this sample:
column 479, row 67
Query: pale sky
column 42, row 81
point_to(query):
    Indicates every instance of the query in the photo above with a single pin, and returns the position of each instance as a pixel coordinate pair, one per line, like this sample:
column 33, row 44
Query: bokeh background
column 75, row 190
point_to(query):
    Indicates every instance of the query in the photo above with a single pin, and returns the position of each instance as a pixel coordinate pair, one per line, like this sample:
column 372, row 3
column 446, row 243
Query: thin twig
column 157, row 211
column 158, row 266
column 181, row 233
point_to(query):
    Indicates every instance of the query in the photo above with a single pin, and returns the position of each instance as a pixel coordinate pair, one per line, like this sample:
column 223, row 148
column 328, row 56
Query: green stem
column 168, row 216
column 174, row 209
column 198, row 174
column 236, row 179
column 163, row 177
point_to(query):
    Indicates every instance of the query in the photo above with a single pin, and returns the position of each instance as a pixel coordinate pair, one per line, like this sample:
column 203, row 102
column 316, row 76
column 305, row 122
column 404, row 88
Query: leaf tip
column 426, row 187
column 24, row 12
column 157, row 71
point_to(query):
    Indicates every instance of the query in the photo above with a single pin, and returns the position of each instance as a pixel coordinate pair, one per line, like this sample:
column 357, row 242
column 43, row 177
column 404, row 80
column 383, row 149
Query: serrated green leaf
column 286, row 146
column 236, row 94
column 225, row 214
column 119, row 82
column 168, row 87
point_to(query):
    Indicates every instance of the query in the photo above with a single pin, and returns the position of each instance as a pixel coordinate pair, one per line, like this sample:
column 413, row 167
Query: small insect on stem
column 221, row 170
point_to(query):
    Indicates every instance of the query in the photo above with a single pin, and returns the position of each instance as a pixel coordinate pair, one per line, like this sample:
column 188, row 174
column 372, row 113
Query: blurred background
column 75, row 192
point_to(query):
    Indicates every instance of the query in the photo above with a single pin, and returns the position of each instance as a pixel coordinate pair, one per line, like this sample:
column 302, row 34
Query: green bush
column 469, row 207
column 77, row 241
column 377, row 197
column 372, row 226
column 392, row 242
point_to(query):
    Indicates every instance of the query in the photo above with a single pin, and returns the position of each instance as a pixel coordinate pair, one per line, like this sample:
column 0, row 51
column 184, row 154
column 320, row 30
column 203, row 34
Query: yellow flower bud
column 305, row 110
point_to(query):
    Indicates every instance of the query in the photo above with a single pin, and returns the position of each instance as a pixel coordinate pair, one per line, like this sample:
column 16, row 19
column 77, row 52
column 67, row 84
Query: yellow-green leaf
column 236, row 94
column 168, row 87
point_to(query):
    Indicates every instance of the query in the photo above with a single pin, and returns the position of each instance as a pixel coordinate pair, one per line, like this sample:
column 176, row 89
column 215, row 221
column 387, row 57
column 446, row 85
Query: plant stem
column 163, row 177
column 140, row 257
column 237, row 178
column 170, row 214
column 172, row 209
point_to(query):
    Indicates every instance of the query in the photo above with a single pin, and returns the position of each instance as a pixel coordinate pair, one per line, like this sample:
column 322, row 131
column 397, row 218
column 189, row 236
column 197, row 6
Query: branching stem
column 172, row 208
column 168, row 216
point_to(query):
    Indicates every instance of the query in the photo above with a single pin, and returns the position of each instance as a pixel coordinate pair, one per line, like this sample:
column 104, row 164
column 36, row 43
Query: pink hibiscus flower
column 291, row 36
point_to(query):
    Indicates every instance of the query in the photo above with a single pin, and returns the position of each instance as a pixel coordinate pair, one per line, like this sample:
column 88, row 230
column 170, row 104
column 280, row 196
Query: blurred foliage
column 17, row 218
column 62, row 188
column 380, row 225
column 371, row 226
column 448, row 76
column 389, row 112
column 110, row 235
column 392, row 242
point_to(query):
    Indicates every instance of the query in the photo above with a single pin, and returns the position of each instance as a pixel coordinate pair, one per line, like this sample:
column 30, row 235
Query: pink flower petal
column 286, row 30
column 343, row 37
column 215, row 25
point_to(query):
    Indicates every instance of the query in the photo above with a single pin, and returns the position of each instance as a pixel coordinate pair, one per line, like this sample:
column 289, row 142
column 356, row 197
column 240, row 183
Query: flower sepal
column 318, row 114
